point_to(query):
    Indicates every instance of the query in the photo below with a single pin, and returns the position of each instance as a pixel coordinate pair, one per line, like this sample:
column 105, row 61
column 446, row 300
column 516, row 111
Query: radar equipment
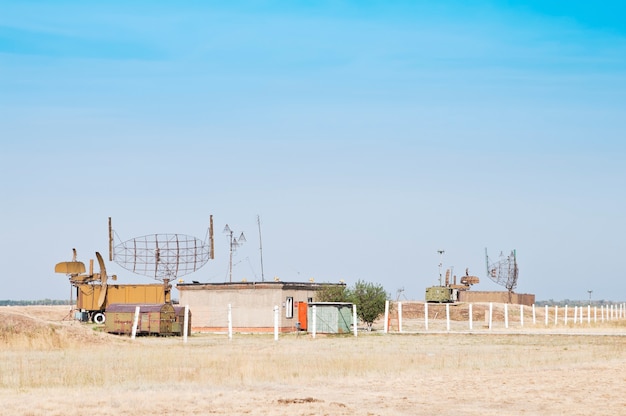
column 87, row 281
column 163, row 257
column 504, row 271
column 449, row 291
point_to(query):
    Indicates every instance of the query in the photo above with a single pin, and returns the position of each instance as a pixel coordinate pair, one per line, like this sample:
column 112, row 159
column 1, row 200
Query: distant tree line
column 46, row 302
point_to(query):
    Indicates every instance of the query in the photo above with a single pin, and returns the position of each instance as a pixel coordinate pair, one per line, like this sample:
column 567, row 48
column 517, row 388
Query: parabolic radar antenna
column 162, row 257
column 504, row 271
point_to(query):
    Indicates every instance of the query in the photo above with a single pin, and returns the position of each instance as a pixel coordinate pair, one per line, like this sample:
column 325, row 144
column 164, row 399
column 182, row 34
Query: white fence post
column 534, row 315
column 521, row 315
column 556, row 314
column 276, row 317
column 386, row 323
column 565, row 316
column 490, row 314
column 186, row 324
column 506, row 315
column 314, row 318
column 588, row 314
column 426, row 316
column 595, row 314
column 575, row 314
column 354, row 320
column 230, row 322
column 448, row 317
column 602, row 313
column 546, row 315
column 135, row 323
column 400, row 317
column 470, row 317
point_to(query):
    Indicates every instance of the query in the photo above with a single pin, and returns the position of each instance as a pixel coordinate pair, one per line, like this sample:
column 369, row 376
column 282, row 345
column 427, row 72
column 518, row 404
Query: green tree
column 332, row 293
column 369, row 299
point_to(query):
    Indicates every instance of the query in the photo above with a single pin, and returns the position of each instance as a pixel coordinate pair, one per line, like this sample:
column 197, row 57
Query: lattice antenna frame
column 505, row 271
column 163, row 257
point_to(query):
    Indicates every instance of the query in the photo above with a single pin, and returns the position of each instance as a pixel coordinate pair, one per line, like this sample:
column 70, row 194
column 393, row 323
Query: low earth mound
column 41, row 328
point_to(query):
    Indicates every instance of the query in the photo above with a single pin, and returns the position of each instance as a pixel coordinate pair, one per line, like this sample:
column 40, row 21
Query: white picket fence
column 415, row 317
column 407, row 317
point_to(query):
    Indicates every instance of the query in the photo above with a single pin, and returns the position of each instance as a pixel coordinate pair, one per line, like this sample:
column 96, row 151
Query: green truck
column 441, row 294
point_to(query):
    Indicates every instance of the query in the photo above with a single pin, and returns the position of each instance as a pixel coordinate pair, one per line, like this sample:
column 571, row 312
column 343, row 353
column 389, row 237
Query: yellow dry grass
column 56, row 367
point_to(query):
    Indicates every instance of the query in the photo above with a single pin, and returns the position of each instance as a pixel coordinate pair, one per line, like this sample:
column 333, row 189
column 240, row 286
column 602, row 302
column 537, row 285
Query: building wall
column 252, row 305
column 499, row 297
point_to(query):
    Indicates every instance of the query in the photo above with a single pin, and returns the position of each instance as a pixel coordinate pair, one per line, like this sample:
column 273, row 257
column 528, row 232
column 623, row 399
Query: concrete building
column 251, row 304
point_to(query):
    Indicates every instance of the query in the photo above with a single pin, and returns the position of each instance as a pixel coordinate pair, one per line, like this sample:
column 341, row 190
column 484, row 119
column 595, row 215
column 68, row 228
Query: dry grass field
column 53, row 366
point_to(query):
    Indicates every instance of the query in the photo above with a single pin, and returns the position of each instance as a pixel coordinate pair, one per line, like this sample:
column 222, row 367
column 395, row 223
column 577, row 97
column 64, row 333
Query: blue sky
column 366, row 135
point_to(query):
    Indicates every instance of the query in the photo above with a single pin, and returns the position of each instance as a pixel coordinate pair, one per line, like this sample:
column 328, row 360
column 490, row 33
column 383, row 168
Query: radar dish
column 504, row 271
column 162, row 256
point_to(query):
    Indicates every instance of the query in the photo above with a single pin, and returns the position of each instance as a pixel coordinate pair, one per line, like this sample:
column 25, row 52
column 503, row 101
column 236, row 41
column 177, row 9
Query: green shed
column 331, row 317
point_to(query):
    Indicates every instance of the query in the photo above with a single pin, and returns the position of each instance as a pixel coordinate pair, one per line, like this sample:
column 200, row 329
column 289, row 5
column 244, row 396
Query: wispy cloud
column 20, row 41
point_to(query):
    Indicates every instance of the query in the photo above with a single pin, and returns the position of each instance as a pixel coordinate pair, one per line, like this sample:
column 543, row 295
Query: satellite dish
column 504, row 271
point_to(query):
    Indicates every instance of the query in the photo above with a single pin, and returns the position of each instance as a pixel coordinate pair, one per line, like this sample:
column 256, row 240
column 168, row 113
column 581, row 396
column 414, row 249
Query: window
column 289, row 307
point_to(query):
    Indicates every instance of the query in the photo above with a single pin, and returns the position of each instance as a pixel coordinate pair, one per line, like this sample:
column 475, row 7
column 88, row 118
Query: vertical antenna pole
column 440, row 264
column 110, row 241
column 258, row 220
column 230, row 262
column 212, row 249
column 487, row 262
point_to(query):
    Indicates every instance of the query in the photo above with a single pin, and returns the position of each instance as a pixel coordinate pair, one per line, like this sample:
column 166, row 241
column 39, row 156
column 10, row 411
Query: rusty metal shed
column 156, row 319
column 179, row 320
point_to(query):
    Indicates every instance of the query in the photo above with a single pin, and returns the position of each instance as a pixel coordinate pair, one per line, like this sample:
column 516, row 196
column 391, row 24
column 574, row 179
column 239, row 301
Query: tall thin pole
column 233, row 244
column 230, row 263
column 110, row 241
column 440, row 264
column 258, row 220
column 211, row 242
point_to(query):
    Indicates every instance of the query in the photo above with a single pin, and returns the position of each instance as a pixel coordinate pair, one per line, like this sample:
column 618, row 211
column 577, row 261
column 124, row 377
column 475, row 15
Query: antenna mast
column 440, row 263
column 110, row 241
column 258, row 220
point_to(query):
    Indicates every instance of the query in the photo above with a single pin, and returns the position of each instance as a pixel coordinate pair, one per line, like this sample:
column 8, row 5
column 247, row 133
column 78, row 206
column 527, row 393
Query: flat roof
column 255, row 285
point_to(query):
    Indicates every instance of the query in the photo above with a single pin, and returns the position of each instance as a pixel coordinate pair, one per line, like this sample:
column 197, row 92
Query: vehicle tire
column 99, row 318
